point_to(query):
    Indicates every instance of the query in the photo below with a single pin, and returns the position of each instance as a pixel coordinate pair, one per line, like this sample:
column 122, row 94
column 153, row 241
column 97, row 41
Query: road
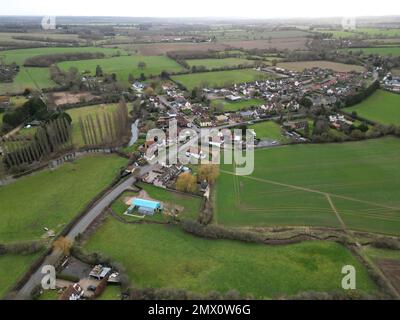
column 80, row 227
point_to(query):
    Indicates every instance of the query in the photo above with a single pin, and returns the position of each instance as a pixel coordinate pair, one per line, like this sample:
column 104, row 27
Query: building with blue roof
column 145, row 207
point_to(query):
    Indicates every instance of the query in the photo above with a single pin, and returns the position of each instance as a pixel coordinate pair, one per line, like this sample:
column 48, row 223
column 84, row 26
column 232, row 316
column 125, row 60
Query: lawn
column 83, row 112
column 382, row 107
column 219, row 78
column 52, row 198
column 219, row 63
column 335, row 66
column 112, row 292
column 268, row 130
column 12, row 268
column 160, row 256
column 125, row 65
column 239, row 105
column 290, row 185
column 191, row 205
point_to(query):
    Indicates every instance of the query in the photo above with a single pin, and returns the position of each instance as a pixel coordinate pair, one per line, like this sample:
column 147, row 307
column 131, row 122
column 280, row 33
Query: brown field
column 163, row 48
column 280, row 44
column 301, row 65
column 61, row 98
column 391, row 269
column 396, row 72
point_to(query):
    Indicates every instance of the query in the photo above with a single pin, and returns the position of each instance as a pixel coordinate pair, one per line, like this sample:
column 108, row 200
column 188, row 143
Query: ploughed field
column 354, row 184
column 335, row 66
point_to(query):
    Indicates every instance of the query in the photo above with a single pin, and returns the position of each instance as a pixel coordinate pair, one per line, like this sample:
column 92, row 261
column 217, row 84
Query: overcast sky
column 202, row 8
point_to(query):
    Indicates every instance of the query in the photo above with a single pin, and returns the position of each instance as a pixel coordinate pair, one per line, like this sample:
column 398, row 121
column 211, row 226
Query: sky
column 202, row 8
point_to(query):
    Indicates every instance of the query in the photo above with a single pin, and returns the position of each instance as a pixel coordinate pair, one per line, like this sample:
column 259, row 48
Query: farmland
column 335, row 66
column 165, row 257
column 382, row 107
column 239, row 105
column 125, row 65
column 55, row 197
column 365, row 32
column 83, row 112
column 307, row 184
column 12, row 268
column 383, row 51
column 219, row 78
column 219, row 63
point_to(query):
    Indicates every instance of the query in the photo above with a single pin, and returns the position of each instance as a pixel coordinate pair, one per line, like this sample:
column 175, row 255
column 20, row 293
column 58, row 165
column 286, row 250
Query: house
column 233, row 98
column 145, row 207
column 138, row 86
column 99, row 272
column 4, row 102
column 221, row 118
column 73, row 292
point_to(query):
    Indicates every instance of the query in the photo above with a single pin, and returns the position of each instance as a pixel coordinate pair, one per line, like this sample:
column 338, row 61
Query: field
column 302, row 65
column 382, row 107
column 83, row 112
column 12, row 267
column 235, row 106
column 268, row 130
column 165, row 257
column 219, row 63
column 383, row 51
column 52, row 198
column 125, row 65
column 364, row 32
column 315, row 185
column 20, row 55
column 219, row 78
column 32, row 78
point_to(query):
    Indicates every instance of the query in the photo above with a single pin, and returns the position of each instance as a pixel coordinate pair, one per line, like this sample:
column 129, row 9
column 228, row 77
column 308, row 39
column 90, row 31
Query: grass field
column 235, row 106
column 219, row 78
column 52, row 198
column 112, row 292
column 268, row 130
column 364, row 32
column 32, row 78
column 219, row 63
column 20, row 55
column 125, row 65
column 306, row 184
column 383, row 51
column 165, row 257
column 83, row 112
column 12, row 268
column 382, row 107
column 335, row 66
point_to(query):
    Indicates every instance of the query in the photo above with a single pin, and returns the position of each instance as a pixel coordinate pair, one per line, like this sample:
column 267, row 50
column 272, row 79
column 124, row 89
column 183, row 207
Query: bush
column 68, row 277
column 386, row 243
column 23, row 248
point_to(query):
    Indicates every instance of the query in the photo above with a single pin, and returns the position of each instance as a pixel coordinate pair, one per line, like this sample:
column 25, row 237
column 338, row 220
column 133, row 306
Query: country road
column 80, row 227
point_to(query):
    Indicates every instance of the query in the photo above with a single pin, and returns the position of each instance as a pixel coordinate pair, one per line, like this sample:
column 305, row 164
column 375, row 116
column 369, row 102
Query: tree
column 186, row 182
column 149, row 91
column 63, row 244
column 131, row 78
column 142, row 77
column 142, row 65
column 99, row 71
column 208, row 172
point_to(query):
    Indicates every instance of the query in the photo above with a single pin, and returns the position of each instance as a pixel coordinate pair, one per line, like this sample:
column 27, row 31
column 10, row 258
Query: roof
column 146, row 204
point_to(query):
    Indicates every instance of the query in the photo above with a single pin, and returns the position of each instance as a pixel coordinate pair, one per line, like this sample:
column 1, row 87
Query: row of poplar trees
column 107, row 129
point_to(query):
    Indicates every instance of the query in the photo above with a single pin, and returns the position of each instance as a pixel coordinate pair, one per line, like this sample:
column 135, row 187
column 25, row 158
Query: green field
column 383, row 51
column 12, row 268
column 52, row 198
column 291, row 186
column 112, row 292
column 32, row 78
column 219, row 63
column 268, row 130
column 83, row 112
column 125, row 65
column 364, row 33
column 165, row 257
column 235, row 106
column 382, row 107
column 219, row 78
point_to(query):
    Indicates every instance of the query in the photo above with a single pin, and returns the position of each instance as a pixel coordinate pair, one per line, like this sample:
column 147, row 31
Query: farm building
column 145, row 207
